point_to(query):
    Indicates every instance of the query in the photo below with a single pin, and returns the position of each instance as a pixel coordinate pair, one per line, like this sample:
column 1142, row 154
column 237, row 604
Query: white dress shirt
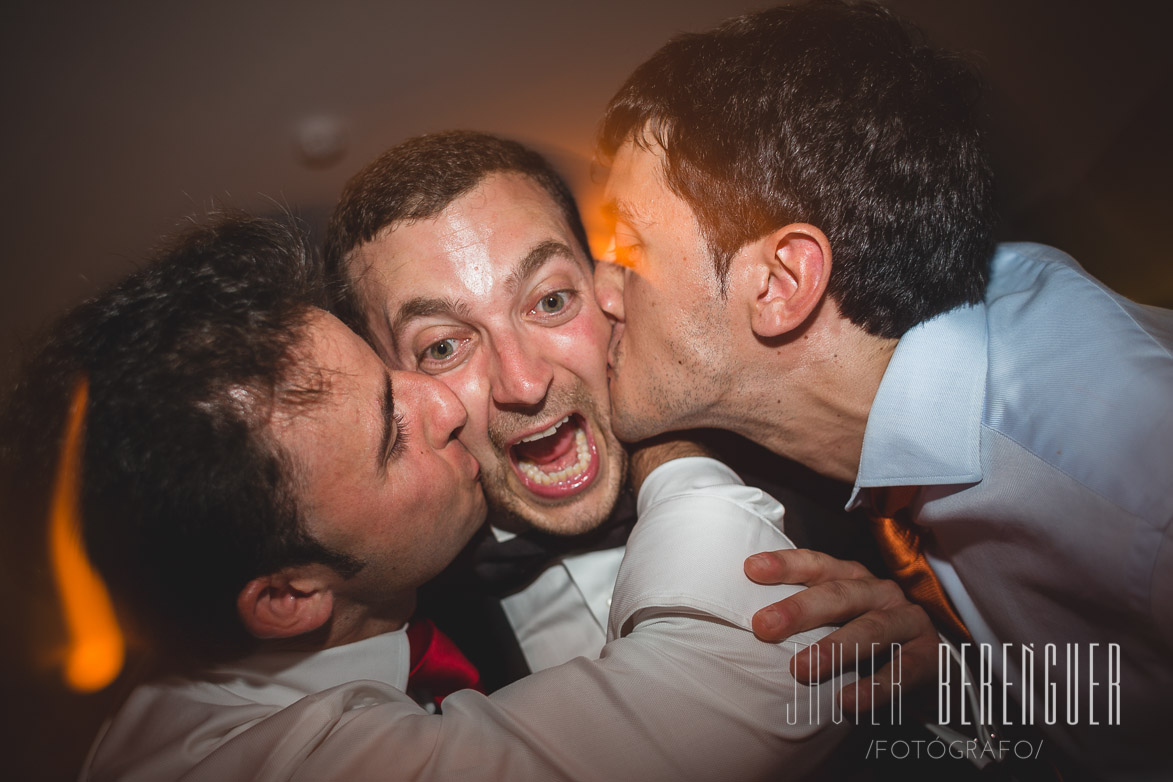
column 562, row 614
column 682, row 690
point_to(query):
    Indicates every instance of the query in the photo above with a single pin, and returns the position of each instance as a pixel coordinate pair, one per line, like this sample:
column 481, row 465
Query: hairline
column 372, row 305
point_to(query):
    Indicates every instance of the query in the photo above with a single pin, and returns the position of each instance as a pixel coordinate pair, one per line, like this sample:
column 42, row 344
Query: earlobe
column 791, row 272
column 280, row 605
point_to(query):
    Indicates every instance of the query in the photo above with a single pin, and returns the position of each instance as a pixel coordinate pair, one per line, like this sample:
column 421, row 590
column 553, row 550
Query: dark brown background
column 121, row 118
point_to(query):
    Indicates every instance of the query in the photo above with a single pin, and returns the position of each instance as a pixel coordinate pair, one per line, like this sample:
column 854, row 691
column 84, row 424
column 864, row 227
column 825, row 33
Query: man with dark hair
column 264, row 496
column 462, row 255
column 178, row 375
column 803, row 255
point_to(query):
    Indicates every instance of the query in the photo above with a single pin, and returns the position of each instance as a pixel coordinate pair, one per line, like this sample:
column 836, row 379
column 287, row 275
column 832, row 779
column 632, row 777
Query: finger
column 874, row 632
column 910, row 670
column 823, row 604
column 801, row 566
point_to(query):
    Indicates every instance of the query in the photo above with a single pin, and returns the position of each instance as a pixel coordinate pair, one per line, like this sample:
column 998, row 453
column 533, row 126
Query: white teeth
column 545, row 433
column 535, row 474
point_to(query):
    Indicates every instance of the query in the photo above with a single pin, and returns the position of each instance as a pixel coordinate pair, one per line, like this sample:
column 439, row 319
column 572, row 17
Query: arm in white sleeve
column 682, row 691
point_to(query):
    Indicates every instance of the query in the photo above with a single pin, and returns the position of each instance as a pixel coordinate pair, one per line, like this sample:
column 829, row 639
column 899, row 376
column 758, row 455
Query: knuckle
column 917, row 615
column 883, row 676
column 856, row 570
column 838, row 591
column 891, row 592
column 804, row 560
column 869, row 628
column 781, row 561
column 792, row 609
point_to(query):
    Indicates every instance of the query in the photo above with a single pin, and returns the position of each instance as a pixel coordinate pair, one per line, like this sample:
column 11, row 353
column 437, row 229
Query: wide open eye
column 441, row 351
column 437, row 348
column 553, row 303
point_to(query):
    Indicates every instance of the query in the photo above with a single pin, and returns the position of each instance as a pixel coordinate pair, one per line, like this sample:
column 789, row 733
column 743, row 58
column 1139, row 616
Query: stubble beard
column 513, row 508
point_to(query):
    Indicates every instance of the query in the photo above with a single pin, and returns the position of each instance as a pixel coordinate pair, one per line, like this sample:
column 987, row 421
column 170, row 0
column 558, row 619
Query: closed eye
column 627, row 255
column 401, row 433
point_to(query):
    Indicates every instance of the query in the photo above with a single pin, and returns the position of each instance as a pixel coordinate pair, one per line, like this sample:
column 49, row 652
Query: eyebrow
column 534, row 260
column 620, row 210
column 387, row 413
column 426, row 306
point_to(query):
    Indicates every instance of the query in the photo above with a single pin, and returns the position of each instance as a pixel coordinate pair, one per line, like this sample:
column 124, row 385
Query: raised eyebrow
column 387, row 413
column 426, row 306
column 536, row 259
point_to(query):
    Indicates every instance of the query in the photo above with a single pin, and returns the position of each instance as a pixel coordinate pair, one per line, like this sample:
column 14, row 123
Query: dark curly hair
column 184, row 498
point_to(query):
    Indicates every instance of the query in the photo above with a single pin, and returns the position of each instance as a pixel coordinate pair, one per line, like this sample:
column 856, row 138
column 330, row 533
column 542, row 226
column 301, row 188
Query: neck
column 809, row 398
column 351, row 622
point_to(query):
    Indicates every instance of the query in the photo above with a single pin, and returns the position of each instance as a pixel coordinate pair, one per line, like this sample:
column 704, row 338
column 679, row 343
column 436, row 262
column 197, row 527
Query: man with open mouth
column 462, row 256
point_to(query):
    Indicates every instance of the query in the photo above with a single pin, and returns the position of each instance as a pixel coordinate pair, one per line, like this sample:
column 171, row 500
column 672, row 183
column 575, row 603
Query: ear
column 288, row 603
column 789, row 270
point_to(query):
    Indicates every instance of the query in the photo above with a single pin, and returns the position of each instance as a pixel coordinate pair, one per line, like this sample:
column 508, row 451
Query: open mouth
column 559, row 461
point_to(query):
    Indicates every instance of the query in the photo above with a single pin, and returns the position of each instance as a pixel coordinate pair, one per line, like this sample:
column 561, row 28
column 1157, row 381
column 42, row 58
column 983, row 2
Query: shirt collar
column 501, row 535
column 924, row 427
column 383, row 658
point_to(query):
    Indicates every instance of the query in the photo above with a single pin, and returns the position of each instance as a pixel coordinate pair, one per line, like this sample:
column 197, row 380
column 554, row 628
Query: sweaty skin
column 494, row 298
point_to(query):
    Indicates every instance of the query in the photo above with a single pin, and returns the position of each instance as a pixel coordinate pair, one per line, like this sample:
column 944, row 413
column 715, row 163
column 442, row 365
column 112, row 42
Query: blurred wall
column 122, row 118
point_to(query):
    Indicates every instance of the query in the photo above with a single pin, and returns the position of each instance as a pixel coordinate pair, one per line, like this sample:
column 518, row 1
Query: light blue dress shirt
column 1040, row 423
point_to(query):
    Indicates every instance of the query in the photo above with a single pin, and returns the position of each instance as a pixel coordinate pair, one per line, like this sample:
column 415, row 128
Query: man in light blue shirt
column 1040, row 424
column 802, row 246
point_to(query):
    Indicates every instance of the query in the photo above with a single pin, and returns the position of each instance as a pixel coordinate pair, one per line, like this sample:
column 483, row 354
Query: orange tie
column 902, row 548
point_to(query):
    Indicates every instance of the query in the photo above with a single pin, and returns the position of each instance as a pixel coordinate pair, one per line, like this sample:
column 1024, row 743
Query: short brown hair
column 415, row 180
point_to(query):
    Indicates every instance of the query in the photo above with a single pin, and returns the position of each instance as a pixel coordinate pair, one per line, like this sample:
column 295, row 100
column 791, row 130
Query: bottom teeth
column 535, row 473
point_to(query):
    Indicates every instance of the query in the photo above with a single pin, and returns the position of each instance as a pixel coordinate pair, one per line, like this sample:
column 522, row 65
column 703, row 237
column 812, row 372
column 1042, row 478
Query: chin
column 634, row 428
column 573, row 516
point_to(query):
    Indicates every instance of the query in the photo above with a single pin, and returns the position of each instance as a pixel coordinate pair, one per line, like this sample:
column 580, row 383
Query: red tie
column 438, row 668
column 902, row 548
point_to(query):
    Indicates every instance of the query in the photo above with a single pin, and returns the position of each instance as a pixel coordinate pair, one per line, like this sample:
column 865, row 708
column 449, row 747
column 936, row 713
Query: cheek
column 581, row 346
column 471, row 387
column 644, row 319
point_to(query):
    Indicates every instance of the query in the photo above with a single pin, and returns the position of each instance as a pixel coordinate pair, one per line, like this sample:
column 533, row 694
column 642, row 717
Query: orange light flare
column 95, row 649
column 600, row 220
column 597, row 220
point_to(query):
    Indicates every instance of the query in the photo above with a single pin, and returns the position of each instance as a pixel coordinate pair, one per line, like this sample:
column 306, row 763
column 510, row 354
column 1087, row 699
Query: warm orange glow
column 596, row 219
column 600, row 220
column 602, row 245
column 96, row 648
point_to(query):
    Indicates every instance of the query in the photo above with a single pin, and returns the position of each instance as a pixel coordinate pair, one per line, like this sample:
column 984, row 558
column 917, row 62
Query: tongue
column 549, row 453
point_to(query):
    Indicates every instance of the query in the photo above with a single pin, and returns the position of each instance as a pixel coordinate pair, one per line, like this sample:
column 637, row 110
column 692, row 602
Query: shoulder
column 1032, row 284
column 1080, row 377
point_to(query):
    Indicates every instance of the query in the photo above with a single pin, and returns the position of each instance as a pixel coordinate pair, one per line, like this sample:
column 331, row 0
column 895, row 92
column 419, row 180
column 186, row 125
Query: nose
column 521, row 375
column 609, row 279
column 430, row 403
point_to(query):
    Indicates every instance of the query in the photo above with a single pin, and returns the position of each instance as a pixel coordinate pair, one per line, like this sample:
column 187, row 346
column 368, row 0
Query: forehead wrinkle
column 535, row 259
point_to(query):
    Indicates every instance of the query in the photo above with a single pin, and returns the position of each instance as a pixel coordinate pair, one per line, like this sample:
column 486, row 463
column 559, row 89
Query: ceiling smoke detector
column 321, row 140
